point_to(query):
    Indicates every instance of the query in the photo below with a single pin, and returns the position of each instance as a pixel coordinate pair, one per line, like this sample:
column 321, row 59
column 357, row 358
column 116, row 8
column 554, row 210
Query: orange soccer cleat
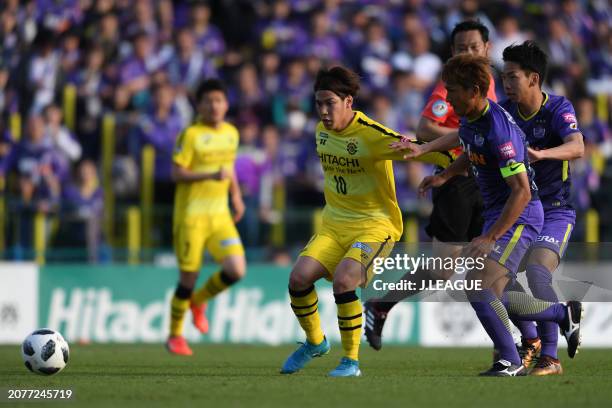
column 199, row 317
column 178, row 345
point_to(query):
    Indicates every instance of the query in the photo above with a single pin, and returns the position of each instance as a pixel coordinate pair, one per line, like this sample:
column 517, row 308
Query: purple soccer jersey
column 495, row 145
column 496, row 148
column 547, row 128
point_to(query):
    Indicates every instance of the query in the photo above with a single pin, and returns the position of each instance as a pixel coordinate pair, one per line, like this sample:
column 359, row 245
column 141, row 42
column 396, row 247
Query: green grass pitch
column 232, row 375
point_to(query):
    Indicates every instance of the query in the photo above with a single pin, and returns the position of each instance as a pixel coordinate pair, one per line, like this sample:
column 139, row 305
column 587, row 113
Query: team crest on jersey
column 351, row 146
column 539, row 132
column 205, row 138
column 478, row 139
column 573, row 126
column 439, row 108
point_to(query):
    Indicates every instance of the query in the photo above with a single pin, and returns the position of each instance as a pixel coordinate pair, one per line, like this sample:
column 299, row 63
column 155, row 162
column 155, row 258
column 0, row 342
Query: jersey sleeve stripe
column 381, row 129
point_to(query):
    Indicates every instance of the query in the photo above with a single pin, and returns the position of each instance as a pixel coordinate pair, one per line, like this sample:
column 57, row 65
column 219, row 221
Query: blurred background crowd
column 86, row 84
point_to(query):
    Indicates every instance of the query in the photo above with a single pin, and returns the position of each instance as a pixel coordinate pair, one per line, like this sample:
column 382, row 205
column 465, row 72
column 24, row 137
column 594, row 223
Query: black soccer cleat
column 570, row 329
column 374, row 323
column 504, row 368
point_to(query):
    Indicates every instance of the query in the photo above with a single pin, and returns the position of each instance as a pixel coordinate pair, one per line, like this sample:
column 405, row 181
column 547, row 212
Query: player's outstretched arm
column 428, row 130
column 182, row 174
column 572, row 148
column 413, row 149
column 236, row 198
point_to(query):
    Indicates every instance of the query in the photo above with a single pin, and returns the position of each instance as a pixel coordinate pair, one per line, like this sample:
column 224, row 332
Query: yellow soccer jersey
column 205, row 149
column 359, row 184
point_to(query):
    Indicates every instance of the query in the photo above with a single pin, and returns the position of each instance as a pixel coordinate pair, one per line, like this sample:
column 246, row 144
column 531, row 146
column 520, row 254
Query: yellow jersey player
column 361, row 218
column 203, row 164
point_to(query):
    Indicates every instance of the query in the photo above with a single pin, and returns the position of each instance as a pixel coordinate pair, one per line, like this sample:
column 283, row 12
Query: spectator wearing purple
column 82, row 211
column 295, row 92
column 323, row 43
column 94, row 91
column 37, row 167
column 567, row 58
column 42, row 73
column 270, row 73
column 188, row 66
column 58, row 135
column 281, row 34
column 160, row 128
column 249, row 167
column 10, row 40
column 509, row 33
column 208, row 37
column 136, row 71
column 419, row 60
column 375, row 55
column 248, row 97
column 70, row 56
column 143, row 20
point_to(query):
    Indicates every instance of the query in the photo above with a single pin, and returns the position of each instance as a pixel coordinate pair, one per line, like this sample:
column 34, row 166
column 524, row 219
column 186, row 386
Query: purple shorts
column 558, row 226
column 514, row 244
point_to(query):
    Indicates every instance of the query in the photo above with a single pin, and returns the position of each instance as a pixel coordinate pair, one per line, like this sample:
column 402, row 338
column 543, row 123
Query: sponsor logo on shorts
column 506, row 150
column 549, row 239
column 360, row 245
column 439, row 108
column 230, row 242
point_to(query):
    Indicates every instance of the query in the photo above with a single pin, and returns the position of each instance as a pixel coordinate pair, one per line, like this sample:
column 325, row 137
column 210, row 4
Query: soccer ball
column 45, row 351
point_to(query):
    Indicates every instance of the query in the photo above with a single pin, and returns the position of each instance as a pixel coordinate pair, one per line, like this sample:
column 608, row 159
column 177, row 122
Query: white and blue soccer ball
column 45, row 352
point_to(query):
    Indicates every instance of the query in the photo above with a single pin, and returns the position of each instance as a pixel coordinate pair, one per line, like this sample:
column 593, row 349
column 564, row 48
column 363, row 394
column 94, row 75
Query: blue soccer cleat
column 347, row 368
column 306, row 352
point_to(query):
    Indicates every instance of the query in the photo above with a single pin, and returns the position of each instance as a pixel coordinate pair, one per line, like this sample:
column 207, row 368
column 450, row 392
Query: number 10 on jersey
column 340, row 184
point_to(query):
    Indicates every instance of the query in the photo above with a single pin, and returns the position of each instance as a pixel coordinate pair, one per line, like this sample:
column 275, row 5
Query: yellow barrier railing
column 147, row 192
column 411, row 230
column 40, row 237
column 108, row 155
column 278, row 203
column 15, row 126
column 592, row 226
column 133, row 235
column 69, row 102
column 603, row 111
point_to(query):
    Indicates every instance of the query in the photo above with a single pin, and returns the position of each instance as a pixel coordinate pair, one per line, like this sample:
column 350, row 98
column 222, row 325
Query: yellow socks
column 305, row 306
column 178, row 306
column 216, row 284
column 349, row 321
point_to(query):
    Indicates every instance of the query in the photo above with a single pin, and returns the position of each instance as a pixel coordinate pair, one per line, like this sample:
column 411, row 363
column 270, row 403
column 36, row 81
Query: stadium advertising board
column 130, row 304
column 18, row 301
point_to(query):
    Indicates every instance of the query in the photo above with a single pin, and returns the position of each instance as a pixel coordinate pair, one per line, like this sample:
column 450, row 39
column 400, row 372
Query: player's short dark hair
column 470, row 25
column 468, row 71
column 341, row 81
column 529, row 56
column 210, row 85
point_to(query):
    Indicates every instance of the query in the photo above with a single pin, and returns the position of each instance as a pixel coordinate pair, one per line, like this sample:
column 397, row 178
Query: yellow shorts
column 215, row 233
column 331, row 245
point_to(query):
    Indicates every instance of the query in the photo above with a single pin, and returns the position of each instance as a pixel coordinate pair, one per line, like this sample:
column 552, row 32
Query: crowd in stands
column 141, row 60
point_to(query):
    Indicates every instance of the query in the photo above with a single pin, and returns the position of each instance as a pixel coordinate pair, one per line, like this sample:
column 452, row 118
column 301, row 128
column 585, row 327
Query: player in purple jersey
column 550, row 126
column 495, row 146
